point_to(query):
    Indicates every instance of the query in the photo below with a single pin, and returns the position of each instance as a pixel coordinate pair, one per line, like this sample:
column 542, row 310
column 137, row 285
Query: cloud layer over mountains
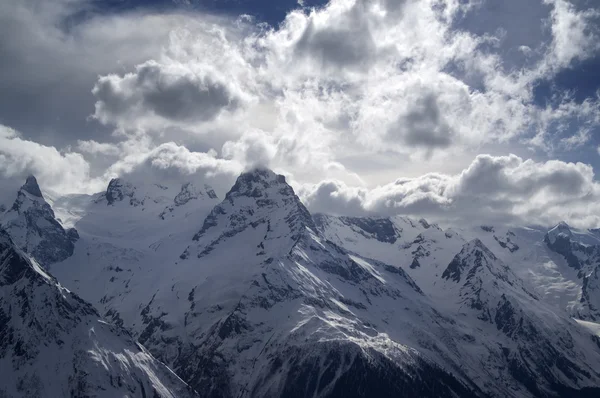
column 368, row 106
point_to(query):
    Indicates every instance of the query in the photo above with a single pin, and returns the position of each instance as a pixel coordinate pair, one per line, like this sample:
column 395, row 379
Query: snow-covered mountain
column 128, row 236
column 469, row 283
column 32, row 225
column 54, row 344
column 581, row 252
column 253, row 296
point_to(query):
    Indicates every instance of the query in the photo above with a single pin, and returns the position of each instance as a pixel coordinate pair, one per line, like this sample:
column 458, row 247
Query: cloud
column 575, row 33
column 350, row 94
column 401, row 76
column 423, row 125
column 174, row 163
column 97, row 148
column 173, row 92
column 53, row 52
column 65, row 172
column 338, row 39
column 501, row 189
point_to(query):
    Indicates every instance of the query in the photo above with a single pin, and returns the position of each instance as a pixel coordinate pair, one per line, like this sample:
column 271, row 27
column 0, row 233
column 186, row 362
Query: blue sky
column 368, row 106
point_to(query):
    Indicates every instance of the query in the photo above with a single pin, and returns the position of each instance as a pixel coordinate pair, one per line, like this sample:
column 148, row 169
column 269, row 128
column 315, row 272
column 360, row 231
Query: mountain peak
column 477, row 244
column 560, row 230
column 258, row 197
column 473, row 254
column 118, row 189
column 256, row 183
column 32, row 226
column 561, row 226
column 31, row 186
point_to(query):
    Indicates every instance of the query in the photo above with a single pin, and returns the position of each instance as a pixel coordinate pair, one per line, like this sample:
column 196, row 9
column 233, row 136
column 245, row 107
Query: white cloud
column 337, row 97
column 575, row 33
column 64, row 172
column 503, row 189
column 172, row 92
column 170, row 162
column 97, row 148
column 376, row 75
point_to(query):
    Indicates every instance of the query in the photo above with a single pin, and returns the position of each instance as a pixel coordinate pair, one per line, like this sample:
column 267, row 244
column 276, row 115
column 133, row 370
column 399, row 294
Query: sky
column 459, row 111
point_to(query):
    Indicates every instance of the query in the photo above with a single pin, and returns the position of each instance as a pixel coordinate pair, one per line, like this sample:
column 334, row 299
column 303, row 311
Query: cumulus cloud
column 339, row 98
column 53, row 52
column 501, row 189
column 403, row 76
column 98, row 148
column 165, row 91
column 170, row 162
column 64, row 172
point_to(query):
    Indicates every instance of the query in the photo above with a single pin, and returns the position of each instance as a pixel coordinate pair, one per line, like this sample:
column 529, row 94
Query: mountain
column 589, row 307
column 540, row 346
column 129, row 236
column 581, row 252
column 54, row 344
column 253, row 285
column 524, row 337
column 32, row 225
column 423, row 250
column 258, row 298
column 253, row 296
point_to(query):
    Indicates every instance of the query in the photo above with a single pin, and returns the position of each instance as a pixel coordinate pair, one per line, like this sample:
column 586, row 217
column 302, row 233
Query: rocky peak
column 31, row 186
column 559, row 231
column 210, row 191
column 118, row 189
column 473, row 254
column 189, row 192
column 258, row 197
column 381, row 229
column 33, row 227
column 560, row 240
column 259, row 183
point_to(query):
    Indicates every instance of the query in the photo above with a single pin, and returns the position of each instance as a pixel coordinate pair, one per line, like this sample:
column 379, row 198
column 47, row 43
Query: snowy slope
column 53, row 344
column 129, row 236
column 266, row 296
column 521, row 335
column 32, row 225
column 253, row 296
column 423, row 250
column 559, row 263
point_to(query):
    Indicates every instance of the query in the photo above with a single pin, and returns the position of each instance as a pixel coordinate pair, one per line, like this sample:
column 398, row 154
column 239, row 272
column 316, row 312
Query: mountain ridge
column 221, row 290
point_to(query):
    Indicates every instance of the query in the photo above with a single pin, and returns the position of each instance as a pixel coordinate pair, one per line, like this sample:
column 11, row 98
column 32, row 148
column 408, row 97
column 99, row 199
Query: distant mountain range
column 176, row 292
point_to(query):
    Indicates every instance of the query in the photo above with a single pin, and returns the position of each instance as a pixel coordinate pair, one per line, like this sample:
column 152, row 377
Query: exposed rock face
column 54, row 344
column 33, row 227
column 118, row 190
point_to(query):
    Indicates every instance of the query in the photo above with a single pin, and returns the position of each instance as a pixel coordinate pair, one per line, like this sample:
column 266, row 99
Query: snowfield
column 253, row 296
